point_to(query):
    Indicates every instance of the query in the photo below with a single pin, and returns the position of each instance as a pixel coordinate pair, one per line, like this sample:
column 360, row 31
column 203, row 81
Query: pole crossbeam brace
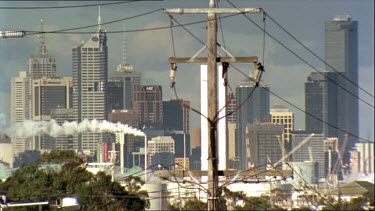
column 212, row 10
column 227, row 173
column 251, row 59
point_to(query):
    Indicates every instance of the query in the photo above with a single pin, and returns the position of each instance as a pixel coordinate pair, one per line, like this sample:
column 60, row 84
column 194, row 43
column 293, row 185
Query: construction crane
column 339, row 160
column 294, row 149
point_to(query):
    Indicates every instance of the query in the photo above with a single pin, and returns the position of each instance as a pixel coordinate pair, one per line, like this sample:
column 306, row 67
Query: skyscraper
column 175, row 116
column 312, row 150
column 341, row 53
column 262, row 144
column 126, row 76
column 256, row 109
column 40, row 64
column 48, row 94
column 90, row 74
column 19, row 106
column 148, row 102
column 280, row 114
column 314, row 102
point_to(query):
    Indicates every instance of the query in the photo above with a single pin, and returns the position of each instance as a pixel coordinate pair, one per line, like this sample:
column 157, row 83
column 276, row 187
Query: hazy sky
column 148, row 51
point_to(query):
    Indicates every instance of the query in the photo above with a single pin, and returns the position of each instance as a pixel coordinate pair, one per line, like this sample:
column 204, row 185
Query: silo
column 305, row 172
column 157, row 194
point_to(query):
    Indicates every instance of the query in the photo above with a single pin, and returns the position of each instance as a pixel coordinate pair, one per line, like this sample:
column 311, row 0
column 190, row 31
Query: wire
column 264, row 36
column 309, row 184
column 295, row 54
column 221, row 26
column 68, row 31
column 304, row 46
column 172, row 37
column 68, row 6
column 94, row 25
column 317, row 117
column 187, row 106
column 275, row 93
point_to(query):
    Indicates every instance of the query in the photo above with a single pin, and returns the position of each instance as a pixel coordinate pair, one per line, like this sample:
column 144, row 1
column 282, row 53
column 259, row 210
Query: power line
column 299, row 57
column 71, row 30
column 67, row 6
column 278, row 95
column 94, row 25
column 308, row 49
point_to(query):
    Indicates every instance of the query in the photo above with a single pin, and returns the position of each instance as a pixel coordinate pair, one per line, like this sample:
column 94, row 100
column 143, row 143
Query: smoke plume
column 29, row 128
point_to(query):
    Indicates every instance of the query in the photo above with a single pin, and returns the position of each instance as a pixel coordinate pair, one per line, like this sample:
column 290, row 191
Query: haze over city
column 130, row 105
column 148, row 51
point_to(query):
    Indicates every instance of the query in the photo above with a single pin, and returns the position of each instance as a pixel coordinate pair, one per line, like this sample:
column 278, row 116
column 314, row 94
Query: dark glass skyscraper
column 341, row 53
column 256, row 109
column 324, row 97
column 314, row 96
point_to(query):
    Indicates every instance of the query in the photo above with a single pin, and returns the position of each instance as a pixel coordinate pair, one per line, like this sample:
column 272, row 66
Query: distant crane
column 294, row 149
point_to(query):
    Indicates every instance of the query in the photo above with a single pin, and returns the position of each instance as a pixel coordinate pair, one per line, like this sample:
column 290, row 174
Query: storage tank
column 157, row 194
column 308, row 170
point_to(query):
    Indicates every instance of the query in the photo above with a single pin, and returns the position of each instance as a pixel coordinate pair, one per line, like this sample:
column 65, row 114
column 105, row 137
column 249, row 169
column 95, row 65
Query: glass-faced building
column 255, row 109
column 90, row 75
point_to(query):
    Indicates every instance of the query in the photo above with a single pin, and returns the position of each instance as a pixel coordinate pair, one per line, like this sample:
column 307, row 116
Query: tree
column 95, row 192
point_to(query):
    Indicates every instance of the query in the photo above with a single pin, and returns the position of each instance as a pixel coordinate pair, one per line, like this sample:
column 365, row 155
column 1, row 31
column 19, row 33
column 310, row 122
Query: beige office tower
column 362, row 159
column 90, row 76
column 18, row 107
column 281, row 115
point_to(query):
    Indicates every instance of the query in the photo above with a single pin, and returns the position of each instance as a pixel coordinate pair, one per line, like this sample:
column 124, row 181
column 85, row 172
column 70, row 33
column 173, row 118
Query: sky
column 148, row 51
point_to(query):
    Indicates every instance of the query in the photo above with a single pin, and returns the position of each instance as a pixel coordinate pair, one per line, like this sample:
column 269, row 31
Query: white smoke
column 2, row 122
column 29, row 128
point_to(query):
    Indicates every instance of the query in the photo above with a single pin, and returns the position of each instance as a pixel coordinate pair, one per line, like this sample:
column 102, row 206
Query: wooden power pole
column 212, row 60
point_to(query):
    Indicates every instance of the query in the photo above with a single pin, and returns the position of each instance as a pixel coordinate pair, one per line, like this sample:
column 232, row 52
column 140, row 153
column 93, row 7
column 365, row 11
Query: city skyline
column 157, row 65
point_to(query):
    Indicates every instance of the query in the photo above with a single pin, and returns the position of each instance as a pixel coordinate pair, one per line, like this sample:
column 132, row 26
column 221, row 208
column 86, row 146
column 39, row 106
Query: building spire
column 42, row 47
column 124, row 66
column 99, row 21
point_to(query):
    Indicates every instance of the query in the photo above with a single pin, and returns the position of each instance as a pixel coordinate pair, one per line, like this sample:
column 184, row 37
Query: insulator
column 12, row 34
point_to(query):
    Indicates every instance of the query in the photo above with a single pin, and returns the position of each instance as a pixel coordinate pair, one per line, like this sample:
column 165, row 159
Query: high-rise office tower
column 175, row 116
column 126, row 76
column 341, row 53
column 61, row 115
column 90, row 75
column 314, row 102
column 312, row 150
column 161, row 150
column 176, row 124
column 19, row 106
column 115, row 96
column 40, row 64
column 255, row 109
column 280, row 114
column 262, row 145
column 48, row 94
column 148, row 102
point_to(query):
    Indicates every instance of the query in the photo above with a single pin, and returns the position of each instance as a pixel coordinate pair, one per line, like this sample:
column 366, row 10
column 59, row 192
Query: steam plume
column 29, row 128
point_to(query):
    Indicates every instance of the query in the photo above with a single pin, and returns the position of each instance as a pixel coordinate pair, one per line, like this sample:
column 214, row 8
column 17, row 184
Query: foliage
column 95, row 192
column 29, row 156
column 353, row 204
column 194, row 204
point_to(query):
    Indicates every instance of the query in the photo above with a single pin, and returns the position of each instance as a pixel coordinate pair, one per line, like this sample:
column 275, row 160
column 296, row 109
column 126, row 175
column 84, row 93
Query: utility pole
column 213, row 194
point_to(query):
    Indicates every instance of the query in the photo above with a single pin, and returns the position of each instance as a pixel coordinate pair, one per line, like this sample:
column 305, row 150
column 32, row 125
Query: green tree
column 194, row 204
column 95, row 192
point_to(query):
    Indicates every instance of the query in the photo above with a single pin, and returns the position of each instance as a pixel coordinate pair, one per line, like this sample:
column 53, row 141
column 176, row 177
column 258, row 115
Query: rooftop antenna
column 124, row 66
column 42, row 38
column 99, row 21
